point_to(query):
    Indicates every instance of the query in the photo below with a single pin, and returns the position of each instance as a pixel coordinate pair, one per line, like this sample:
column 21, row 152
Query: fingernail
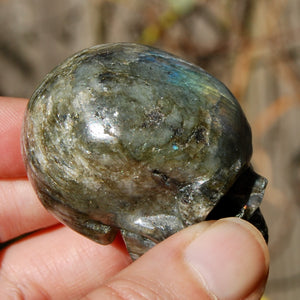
column 230, row 259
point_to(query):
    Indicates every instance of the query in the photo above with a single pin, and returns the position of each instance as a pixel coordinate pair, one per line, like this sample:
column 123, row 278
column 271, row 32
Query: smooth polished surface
column 124, row 136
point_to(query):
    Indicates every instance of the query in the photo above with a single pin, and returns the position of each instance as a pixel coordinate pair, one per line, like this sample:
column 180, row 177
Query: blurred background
column 253, row 46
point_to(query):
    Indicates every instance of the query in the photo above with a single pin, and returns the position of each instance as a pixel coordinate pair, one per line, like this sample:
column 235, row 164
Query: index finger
column 11, row 119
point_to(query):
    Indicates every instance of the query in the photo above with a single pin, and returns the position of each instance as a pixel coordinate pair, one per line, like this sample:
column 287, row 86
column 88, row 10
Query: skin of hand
column 224, row 259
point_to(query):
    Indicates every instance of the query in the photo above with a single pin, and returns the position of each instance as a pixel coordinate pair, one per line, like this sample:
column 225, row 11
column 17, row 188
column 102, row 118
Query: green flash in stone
column 131, row 138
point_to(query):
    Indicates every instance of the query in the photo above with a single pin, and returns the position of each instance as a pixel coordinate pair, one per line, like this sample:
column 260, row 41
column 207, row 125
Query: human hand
column 226, row 258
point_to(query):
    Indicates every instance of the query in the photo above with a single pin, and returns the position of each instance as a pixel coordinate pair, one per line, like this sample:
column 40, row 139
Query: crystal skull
column 131, row 138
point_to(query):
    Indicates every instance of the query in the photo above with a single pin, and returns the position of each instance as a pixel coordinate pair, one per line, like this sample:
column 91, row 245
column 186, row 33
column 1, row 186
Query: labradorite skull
column 128, row 137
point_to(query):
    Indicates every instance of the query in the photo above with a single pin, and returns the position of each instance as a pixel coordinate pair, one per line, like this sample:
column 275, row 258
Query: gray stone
column 125, row 136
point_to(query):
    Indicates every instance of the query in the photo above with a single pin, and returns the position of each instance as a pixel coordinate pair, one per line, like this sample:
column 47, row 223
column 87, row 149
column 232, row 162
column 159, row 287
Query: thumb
column 224, row 259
